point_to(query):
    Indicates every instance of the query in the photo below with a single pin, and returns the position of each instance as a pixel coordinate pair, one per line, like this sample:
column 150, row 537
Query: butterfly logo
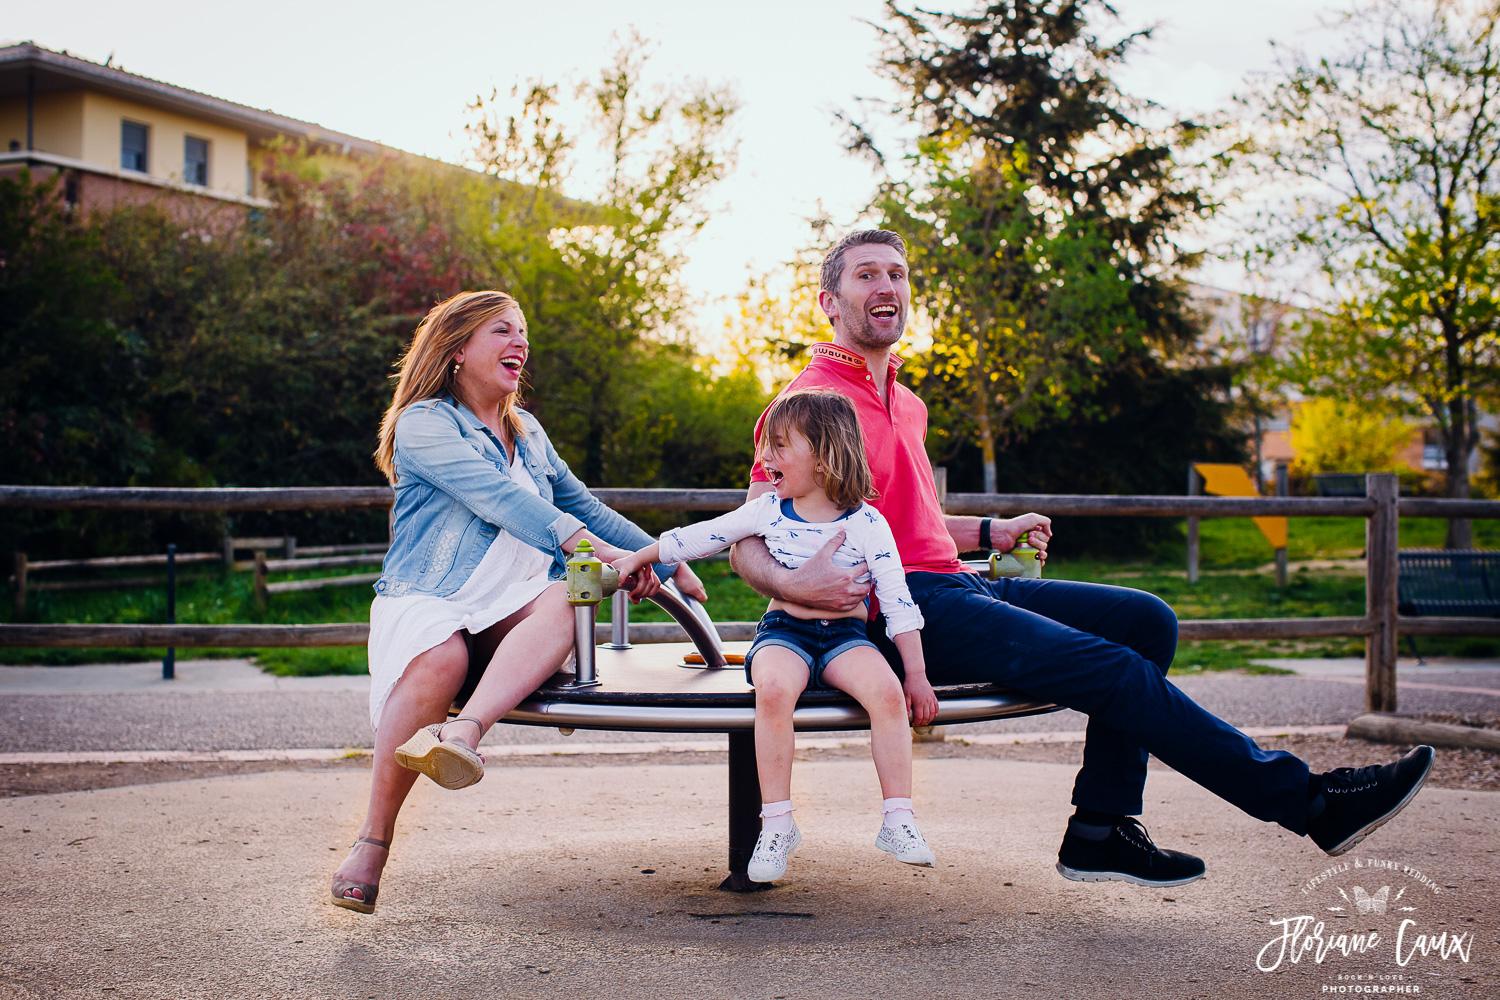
column 1373, row 904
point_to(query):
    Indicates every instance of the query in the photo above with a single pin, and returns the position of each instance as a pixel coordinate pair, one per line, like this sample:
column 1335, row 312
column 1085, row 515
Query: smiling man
column 1103, row 651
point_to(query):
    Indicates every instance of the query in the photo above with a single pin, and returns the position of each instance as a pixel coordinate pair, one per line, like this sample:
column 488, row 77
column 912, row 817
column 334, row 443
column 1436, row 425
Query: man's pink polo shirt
column 894, row 439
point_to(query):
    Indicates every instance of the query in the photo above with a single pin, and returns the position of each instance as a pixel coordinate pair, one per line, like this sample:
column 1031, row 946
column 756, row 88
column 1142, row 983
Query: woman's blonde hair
column 828, row 421
column 425, row 371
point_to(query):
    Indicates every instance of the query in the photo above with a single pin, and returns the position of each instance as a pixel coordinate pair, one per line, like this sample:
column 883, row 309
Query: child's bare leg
column 863, row 674
column 780, row 676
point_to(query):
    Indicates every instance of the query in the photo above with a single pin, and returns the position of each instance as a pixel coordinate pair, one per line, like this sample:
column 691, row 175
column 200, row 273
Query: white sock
column 894, row 812
column 776, row 817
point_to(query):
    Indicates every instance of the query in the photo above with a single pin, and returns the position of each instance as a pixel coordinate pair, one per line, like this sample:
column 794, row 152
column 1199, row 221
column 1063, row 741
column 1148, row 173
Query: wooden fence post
column 289, row 546
column 1281, row 490
column 260, row 578
column 1381, row 541
column 228, row 554
column 20, row 593
column 940, row 483
column 1194, row 488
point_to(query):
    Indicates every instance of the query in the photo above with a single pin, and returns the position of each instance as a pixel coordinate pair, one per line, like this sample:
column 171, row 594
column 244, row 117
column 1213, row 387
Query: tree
column 1333, row 435
column 1390, row 149
column 598, row 278
column 1040, row 208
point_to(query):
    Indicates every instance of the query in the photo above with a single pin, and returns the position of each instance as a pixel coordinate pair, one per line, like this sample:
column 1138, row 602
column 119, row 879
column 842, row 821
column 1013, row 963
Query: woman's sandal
column 365, row 901
column 451, row 765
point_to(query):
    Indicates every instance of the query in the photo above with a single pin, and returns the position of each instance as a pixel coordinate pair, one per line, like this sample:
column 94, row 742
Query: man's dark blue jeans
column 1103, row 651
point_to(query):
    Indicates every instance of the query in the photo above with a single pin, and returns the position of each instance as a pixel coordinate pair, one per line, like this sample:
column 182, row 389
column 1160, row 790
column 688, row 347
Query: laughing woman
column 468, row 599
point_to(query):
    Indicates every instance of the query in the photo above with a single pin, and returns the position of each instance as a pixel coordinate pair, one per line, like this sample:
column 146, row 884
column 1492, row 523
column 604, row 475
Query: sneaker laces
column 1133, row 833
column 1344, row 780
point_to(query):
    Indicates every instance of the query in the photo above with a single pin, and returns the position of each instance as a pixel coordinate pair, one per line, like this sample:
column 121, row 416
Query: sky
column 402, row 75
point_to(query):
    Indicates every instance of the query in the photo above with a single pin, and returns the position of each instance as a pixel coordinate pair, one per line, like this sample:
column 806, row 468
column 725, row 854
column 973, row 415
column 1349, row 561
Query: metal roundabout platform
column 653, row 688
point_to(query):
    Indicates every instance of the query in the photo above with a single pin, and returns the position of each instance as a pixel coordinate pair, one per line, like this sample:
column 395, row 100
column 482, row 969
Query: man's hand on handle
column 1034, row 529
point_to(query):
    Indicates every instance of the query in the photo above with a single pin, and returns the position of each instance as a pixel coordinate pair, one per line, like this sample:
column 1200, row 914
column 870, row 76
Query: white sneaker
column 905, row 841
column 768, row 863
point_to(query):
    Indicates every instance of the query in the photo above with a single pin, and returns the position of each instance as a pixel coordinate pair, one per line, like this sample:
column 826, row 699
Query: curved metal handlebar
column 693, row 617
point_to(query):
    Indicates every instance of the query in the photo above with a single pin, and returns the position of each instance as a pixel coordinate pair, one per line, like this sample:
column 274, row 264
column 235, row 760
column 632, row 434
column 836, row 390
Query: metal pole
column 744, row 812
column 1194, row 488
column 169, row 662
column 619, row 620
column 1381, row 542
column 1281, row 488
column 583, row 646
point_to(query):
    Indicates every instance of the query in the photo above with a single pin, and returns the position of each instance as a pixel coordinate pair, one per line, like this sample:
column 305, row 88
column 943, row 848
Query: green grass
column 1226, row 544
column 1236, row 543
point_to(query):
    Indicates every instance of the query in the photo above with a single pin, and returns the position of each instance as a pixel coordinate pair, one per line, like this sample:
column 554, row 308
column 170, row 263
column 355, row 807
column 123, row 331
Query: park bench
column 1452, row 582
column 696, row 687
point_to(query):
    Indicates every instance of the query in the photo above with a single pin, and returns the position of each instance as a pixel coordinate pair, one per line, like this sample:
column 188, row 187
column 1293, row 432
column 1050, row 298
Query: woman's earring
column 456, row 366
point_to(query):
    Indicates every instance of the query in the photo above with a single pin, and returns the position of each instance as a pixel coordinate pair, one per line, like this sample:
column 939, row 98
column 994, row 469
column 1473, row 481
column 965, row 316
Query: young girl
column 813, row 451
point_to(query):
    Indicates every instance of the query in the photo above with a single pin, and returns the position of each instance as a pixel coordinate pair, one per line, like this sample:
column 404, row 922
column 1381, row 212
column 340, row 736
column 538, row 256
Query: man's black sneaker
column 1126, row 855
column 1352, row 801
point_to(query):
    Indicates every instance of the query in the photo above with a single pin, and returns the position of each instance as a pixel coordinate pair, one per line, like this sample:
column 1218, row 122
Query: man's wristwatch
column 984, row 533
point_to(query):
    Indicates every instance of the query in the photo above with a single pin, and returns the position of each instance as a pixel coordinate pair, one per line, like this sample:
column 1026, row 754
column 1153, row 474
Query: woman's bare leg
column 532, row 644
column 420, row 698
column 863, row 674
column 780, row 676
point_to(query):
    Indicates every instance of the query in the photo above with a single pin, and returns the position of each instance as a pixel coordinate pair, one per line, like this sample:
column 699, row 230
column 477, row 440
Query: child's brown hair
column 828, row 421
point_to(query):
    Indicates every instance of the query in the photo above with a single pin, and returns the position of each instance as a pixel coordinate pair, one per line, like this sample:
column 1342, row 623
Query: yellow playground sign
column 1233, row 481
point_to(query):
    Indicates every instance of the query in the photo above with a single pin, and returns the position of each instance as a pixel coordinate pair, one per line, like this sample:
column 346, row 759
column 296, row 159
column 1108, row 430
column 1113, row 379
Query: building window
column 195, row 161
column 133, row 148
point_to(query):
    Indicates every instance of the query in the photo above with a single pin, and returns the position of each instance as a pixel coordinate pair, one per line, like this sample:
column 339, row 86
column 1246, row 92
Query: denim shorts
column 818, row 640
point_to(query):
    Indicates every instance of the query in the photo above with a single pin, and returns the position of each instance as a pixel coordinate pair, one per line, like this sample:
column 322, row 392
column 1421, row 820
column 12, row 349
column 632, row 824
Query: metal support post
column 619, row 620
column 1381, row 541
column 1194, row 488
column 744, row 812
column 169, row 662
column 584, row 674
column 1281, row 490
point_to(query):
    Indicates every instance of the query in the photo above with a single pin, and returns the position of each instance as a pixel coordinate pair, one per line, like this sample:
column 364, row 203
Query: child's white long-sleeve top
column 793, row 541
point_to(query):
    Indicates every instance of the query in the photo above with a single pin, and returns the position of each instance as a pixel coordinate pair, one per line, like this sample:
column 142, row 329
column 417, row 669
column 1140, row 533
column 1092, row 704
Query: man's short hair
column 832, row 272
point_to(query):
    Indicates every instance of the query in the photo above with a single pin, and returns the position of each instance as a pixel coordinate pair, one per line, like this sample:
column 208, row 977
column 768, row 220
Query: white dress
column 509, row 577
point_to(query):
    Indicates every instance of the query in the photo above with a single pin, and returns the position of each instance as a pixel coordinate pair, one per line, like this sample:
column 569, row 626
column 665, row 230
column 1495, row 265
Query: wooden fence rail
column 1075, row 505
column 1381, row 507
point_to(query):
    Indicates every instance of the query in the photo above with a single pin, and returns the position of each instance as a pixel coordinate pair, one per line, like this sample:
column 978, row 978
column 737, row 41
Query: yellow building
column 118, row 137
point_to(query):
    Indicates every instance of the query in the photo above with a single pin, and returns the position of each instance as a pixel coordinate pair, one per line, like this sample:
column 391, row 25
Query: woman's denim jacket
column 454, row 493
